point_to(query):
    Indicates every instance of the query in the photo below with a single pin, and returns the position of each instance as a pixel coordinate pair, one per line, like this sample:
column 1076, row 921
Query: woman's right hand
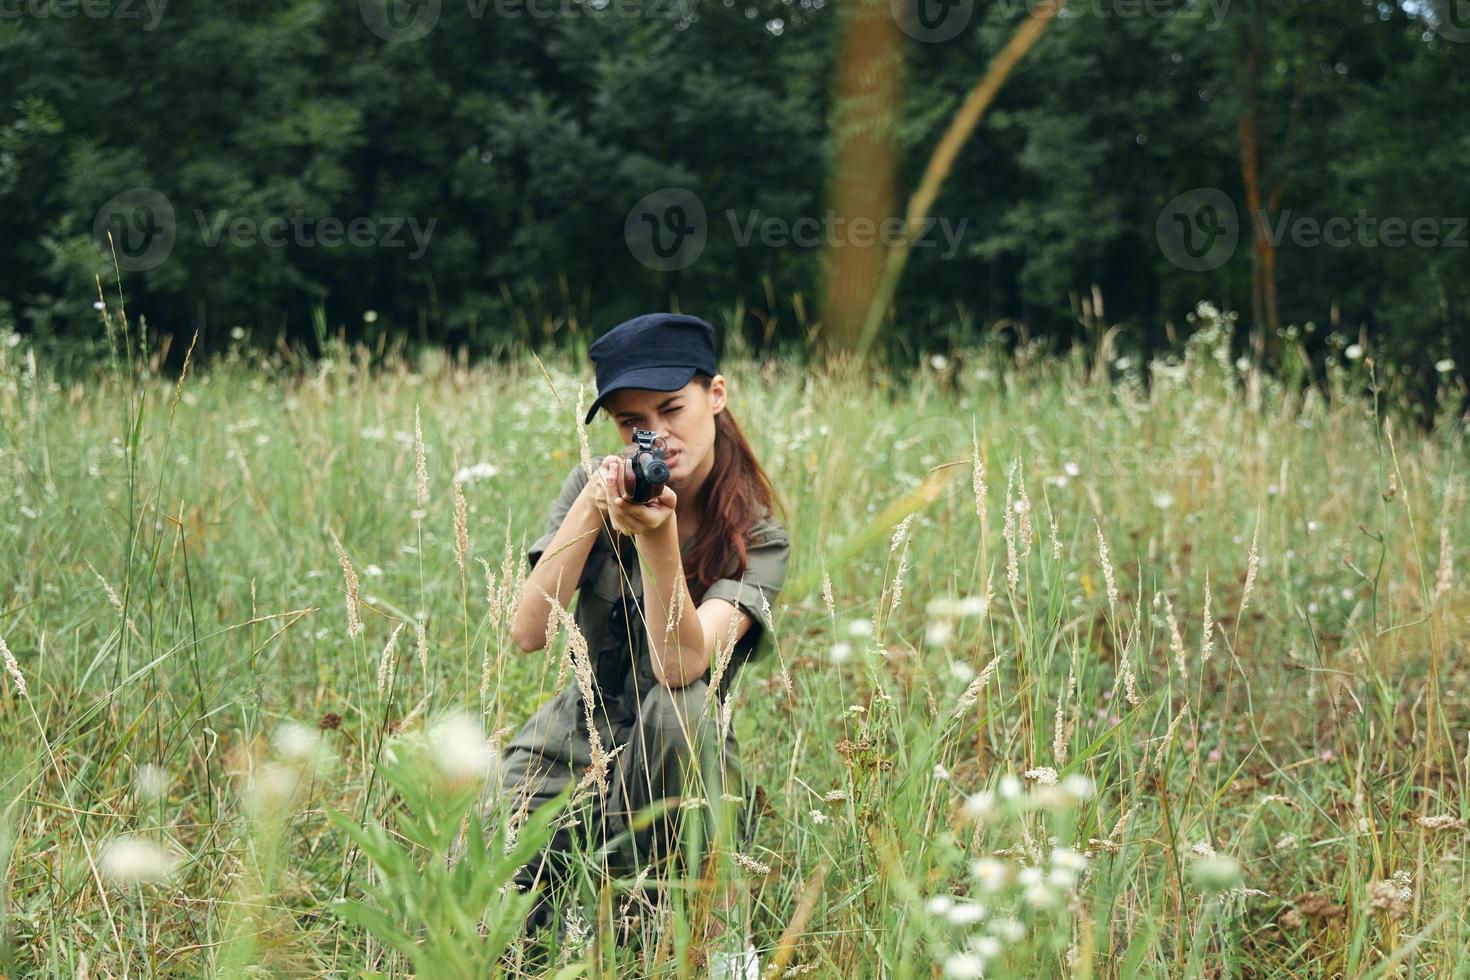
column 606, row 485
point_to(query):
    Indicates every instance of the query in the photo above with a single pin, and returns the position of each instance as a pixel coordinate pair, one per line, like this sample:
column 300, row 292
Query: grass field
column 1171, row 681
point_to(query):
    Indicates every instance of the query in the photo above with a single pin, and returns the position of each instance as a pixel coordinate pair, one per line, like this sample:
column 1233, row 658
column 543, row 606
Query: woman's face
column 685, row 418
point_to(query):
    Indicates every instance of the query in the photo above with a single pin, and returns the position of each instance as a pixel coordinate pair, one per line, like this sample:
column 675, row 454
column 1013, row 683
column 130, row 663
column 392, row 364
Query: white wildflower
column 938, row 905
column 1216, row 872
column 298, row 743
column 12, row 668
column 940, row 606
column 965, row 914
column 1442, row 821
column 151, row 782
column 477, row 471
column 459, row 748
column 991, row 873
column 751, row 865
column 979, row 805
column 135, row 860
column 1078, row 786
column 1008, row 929
column 972, row 605
column 964, row 966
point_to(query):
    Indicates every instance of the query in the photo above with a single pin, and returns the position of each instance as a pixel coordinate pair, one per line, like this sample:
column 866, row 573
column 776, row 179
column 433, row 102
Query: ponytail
column 734, row 497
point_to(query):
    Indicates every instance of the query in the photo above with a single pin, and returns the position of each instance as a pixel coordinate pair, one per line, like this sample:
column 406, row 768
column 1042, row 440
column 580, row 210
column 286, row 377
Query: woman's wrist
column 666, row 532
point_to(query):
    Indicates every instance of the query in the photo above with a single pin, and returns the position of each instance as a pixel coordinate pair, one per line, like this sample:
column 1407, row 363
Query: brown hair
column 736, row 494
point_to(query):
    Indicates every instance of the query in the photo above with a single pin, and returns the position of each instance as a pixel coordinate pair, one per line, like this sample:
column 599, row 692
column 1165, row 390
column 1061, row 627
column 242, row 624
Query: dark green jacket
column 610, row 594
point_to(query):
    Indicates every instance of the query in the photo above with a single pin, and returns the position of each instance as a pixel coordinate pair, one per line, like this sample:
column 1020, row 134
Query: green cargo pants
column 665, row 751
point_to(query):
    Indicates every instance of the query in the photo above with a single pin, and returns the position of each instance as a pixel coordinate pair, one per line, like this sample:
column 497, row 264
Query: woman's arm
column 557, row 572
column 681, row 646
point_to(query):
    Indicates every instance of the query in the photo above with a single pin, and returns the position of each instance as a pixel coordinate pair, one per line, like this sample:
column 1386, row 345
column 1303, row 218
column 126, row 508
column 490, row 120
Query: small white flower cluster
column 1011, row 796
column 964, row 607
column 1009, row 894
column 943, row 611
column 478, row 471
column 1048, row 887
column 459, row 748
column 152, row 782
column 857, row 629
column 137, row 860
column 1213, row 872
column 306, row 746
column 302, row 755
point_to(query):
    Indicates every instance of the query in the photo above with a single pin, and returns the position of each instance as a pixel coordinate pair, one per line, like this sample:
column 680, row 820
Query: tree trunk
column 1264, row 319
column 865, row 179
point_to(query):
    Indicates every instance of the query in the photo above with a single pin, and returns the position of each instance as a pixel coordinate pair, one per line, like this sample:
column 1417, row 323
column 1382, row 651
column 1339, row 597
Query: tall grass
column 1073, row 674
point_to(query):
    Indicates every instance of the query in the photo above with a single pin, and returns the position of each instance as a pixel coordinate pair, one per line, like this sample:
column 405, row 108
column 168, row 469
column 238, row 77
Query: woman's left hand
column 633, row 519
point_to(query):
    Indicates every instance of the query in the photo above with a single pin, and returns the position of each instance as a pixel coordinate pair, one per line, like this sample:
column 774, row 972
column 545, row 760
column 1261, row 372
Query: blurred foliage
column 526, row 132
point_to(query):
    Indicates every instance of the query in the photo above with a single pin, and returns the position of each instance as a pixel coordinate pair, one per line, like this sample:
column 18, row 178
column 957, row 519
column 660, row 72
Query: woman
column 709, row 544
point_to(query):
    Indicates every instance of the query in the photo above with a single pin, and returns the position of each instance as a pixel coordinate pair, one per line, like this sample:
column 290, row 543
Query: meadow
column 1082, row 669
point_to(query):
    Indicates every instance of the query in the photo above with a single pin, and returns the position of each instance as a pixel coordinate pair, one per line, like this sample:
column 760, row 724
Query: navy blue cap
column 658, row 351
